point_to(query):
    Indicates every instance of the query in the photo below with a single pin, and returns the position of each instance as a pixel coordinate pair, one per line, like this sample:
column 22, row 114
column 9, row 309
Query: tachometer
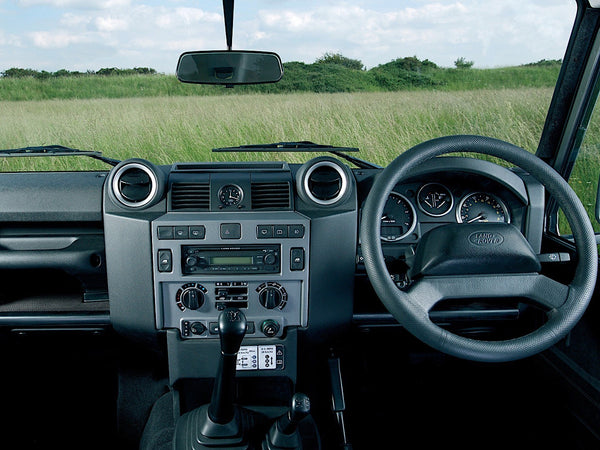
column 481, row 207
column 399, row 218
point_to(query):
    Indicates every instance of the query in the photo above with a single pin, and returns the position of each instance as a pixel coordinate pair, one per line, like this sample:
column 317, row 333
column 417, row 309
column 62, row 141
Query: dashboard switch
column 231, row 231
column 197, row 328
column 297, row 258
column 165, row 232
column 165, row 261
column 181, row 232
column 264, row 231
column 296, row 231
column 197, row 232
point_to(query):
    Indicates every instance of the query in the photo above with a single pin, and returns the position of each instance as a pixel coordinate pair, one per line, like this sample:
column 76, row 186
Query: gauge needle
column 479, row 217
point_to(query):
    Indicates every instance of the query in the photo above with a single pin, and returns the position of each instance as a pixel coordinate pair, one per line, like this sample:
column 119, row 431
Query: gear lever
column 218, row 424
column 284, row 432
column 232, row 328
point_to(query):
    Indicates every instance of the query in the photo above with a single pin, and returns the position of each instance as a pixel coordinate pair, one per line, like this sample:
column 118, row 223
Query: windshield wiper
column 56, row 150
column 302, row 146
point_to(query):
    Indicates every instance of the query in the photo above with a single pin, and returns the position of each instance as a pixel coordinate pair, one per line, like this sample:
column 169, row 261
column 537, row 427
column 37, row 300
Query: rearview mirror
column 229, row 67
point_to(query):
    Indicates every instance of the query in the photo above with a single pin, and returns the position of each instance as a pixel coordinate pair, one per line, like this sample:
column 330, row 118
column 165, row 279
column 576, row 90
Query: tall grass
column 382, row 125
column 164, row 129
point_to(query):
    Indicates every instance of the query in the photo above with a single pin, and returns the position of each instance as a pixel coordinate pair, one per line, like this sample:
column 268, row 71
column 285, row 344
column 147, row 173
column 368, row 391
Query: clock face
column 231, row 195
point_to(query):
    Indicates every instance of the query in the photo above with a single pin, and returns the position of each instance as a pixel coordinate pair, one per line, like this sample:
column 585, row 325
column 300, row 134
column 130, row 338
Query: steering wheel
column 565, row 304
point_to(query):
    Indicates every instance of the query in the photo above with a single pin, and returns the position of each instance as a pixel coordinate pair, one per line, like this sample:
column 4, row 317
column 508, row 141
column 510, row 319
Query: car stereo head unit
column 210, row 259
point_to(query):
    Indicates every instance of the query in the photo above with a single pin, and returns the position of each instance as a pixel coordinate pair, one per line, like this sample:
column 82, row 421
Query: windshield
column 380, row 76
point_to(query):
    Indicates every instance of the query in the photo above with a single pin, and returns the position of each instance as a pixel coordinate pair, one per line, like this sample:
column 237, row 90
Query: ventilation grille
column 271, row 195
column 190, row 196
column 135, row 185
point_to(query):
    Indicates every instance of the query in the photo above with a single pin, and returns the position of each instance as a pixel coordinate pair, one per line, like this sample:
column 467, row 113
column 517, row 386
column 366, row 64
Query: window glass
column 381, row 76
column 584, row 177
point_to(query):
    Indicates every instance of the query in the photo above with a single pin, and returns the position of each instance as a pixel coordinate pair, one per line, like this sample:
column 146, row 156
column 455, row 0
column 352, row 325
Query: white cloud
column 185, row 17
column 78, row 4
column 111, row 24
column 491, row 33
column 51, row 39
column 141, row 33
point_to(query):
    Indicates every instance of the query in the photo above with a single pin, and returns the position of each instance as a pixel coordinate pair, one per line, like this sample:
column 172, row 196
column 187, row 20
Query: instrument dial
column 481, row 207
column 435, row 199
column 231, row 195
column 190, row 296
column 272, row 295
column 399, row 218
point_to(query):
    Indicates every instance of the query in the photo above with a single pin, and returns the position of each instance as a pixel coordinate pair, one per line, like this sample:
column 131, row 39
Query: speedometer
column 399, row 218
column 481, row 207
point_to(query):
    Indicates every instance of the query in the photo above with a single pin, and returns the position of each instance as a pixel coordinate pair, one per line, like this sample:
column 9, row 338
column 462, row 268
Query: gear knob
column 284, row 434
column 299, row 409
column 232, row 328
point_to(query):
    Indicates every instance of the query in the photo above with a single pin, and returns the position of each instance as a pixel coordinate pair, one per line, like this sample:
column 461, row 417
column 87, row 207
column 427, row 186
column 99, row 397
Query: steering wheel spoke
column 544, row 291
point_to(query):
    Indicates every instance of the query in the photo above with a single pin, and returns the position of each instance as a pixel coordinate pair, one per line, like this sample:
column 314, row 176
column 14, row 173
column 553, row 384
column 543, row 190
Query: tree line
column 16, row 72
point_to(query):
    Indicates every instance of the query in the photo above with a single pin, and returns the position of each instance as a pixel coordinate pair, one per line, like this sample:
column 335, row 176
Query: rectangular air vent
column 190, row 196
column 275, row 195
column 228, row 166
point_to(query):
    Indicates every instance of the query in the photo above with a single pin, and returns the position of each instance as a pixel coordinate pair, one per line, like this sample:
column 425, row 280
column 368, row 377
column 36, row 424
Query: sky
column 92, row 34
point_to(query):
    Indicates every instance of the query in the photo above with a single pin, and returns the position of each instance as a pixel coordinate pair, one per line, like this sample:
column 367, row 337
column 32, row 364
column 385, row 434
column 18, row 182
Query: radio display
column 231, row 260
column 205, row 259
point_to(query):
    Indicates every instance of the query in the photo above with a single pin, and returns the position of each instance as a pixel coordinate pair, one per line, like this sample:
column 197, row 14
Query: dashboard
column 155, row 251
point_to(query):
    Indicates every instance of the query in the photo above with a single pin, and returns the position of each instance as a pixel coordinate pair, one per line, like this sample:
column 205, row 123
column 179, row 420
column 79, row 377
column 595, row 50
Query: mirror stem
column 228, row 14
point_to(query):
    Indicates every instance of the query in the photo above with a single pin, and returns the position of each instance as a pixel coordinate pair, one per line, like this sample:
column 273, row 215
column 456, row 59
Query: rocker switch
column 165, row 261
column 297, row 258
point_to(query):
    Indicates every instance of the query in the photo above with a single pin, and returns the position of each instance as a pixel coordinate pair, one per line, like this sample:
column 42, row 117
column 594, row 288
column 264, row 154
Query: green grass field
column 185, row 128
column 382, row 125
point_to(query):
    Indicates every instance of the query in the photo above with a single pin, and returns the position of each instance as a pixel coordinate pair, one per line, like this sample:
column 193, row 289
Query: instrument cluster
column 413, row 208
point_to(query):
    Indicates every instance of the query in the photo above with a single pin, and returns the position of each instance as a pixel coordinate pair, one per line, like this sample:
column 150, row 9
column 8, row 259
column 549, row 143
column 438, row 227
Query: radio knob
column 270, row 297
column 270, row 259
column 192, row 298
column 191, row 261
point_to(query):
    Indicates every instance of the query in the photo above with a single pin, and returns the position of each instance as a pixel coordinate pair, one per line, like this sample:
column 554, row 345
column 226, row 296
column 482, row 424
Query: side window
column 584, row 177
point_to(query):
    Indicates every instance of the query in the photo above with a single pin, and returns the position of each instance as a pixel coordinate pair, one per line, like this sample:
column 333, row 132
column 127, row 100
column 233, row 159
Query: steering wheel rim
column 407, row 307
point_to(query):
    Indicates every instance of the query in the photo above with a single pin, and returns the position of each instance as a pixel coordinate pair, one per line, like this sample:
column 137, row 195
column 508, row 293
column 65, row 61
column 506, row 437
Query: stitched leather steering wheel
column 564, row 304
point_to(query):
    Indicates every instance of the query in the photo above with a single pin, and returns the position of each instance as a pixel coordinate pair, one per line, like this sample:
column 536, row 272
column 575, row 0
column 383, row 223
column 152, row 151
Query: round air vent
column 325, row 181
column 134, row 185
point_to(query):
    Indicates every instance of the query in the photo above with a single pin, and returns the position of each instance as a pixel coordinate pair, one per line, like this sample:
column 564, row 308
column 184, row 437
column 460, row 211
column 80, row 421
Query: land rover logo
column 485, row 238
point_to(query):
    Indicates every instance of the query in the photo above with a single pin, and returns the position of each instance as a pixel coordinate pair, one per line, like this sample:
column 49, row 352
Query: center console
column 256, row 262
